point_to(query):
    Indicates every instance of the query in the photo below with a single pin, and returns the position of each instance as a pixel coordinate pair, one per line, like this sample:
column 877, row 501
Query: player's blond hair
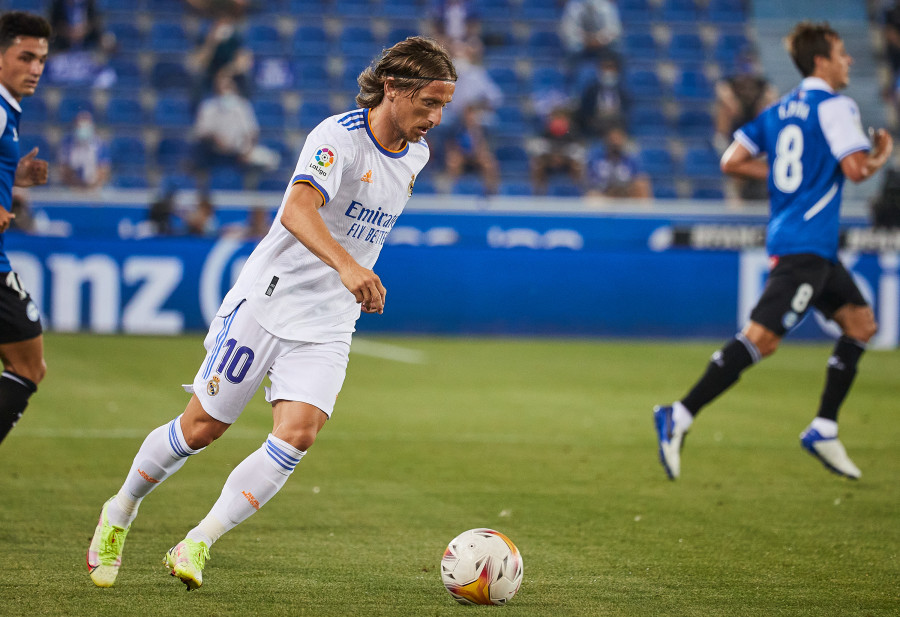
column 413, row 63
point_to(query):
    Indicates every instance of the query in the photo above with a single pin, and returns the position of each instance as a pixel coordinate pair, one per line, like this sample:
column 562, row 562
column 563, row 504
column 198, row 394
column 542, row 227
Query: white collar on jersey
column 816, row 83
column 10, row 98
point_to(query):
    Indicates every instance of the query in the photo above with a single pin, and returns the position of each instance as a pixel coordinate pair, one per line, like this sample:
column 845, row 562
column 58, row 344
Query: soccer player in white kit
column 294, row 307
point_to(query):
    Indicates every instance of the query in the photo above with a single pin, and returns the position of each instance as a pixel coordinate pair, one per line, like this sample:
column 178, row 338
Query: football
column 482, row 566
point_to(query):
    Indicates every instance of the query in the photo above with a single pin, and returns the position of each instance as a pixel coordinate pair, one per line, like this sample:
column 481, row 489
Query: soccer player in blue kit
column 24, row 40
column 804, row 145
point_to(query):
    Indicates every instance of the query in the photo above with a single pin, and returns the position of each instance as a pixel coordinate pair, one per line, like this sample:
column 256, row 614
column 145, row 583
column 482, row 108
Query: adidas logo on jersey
column 367, row 177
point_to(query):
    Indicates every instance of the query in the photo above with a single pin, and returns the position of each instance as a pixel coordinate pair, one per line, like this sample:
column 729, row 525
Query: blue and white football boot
column 830, row 451
column 671, row 440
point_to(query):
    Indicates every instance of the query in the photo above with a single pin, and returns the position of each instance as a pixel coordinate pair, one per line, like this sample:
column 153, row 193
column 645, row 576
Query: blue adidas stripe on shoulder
column 353, row 121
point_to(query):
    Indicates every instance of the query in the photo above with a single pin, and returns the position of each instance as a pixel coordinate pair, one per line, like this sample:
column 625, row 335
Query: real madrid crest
column 212, row 386
column 410, row 187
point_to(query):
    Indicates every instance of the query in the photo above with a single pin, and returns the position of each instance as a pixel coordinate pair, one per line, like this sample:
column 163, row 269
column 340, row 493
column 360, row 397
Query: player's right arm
column 859, row 165
column 301, row 217
column 6, row 218
column 739, row 161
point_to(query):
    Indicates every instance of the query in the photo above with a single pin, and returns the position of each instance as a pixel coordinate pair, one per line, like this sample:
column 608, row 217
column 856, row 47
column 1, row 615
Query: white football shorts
column 240, row 353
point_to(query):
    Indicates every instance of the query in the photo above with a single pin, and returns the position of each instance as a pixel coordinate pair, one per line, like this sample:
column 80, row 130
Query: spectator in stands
column 556, row 151
column 892, row 39
column 469, row 150
column 257, row 225
column 225, row 131
column 475, row 86
column 455, row 24
column 739, row 99
column 84, row 160
column 202, row 221
column 590, row 29
column 604, row 101
column 221, row 50
column 77, row 25
column 614, row 171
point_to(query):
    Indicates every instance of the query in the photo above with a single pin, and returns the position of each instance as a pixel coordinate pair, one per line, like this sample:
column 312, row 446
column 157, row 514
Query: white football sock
column 252, row 483
column 827, row 428
column 163, row 452
column 681, row 416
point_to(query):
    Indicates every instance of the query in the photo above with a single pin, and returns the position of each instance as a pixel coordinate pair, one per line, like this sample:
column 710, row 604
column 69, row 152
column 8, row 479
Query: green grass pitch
column 549, row 441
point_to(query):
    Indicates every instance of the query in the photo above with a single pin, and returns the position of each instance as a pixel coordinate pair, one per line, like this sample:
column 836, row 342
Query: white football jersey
column 292, row 293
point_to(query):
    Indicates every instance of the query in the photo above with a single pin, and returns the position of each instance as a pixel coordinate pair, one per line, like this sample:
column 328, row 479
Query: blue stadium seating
column 311, row 40
column 170, row 75
column 122, row 111
column 513, row 160
column 640, row 45
column 312, row 113
column 173, row 112
column 648, row 121
column 637, row 13
column 644, row 84
column 709, row 189
column 358, row 44
column 664, row 189
column 311, row 76
column 128, row 154
column 512, row 188
column 701, row 163
column 540, row 10
column 172, row 153
column 128, row 74
column 29, row 141
column 129, row 37
column 726, row 11
column 124, row 180
column 543, row 43
column 695, row 123
column 168, row 37
column 263, row 38
column 69, row 108
column 269, row 114
column 692, row 85
column 468, row 185
column 687, row 47
column 657, row 162
column 687, row 11
column 226, row 178
column 34, row 111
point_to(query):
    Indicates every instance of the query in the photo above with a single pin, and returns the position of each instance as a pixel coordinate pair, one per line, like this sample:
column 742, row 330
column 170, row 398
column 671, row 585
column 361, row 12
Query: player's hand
column 883, row 143
column 6, row 218
column 366, row 287
column 31, row 171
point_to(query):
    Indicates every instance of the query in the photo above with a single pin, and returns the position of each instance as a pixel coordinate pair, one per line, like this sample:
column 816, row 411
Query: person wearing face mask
column 225, row 131
column 604, row 101
column 84, row 160
column 613, row 171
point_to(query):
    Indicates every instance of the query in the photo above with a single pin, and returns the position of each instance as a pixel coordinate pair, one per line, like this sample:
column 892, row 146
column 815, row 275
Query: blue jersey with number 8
column 805, row 135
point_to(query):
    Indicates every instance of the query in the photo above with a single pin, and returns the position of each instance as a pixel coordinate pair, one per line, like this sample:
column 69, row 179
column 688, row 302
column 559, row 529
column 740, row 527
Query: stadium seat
column 687, row 47
column 347, row 83
column 692, row 85
column 127, row 153
column 511, row 188
column 129, row 37
column 657, row 162
column 648, row 121
column 468, row 185
column 311, row 41
column 121, row 111
column 637, row 13
column 701, row 163
column 172, row 112
column 179, row 181
column 511, row 121
column 708, row 190
column 695, row 123
column 540, row 11
column 548, row 78
column 513, row 160
column 640, row 46
column 263, row 38
column 172, row 153
column 507, row 79
column 311, row 76
column 501, row 10
column 129, row 181
column 644, row 84
column 563, row 187
column 729, row 47
column 686, row 11
column 168, row 37
column 170, row 76
column 226, row 178
column 357, row 43
column 664, row 189
column 309, row 7
column 395, row 10
column 269, row 114
column 35, row 111
column 726, row 12
column 128, row 74
column 312, row 113
column 70, row 106
column 543, row 43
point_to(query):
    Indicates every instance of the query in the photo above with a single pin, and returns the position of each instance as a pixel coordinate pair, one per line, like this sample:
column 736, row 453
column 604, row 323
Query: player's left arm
column 31, row 171
column 739, row 161
column 860, row 165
